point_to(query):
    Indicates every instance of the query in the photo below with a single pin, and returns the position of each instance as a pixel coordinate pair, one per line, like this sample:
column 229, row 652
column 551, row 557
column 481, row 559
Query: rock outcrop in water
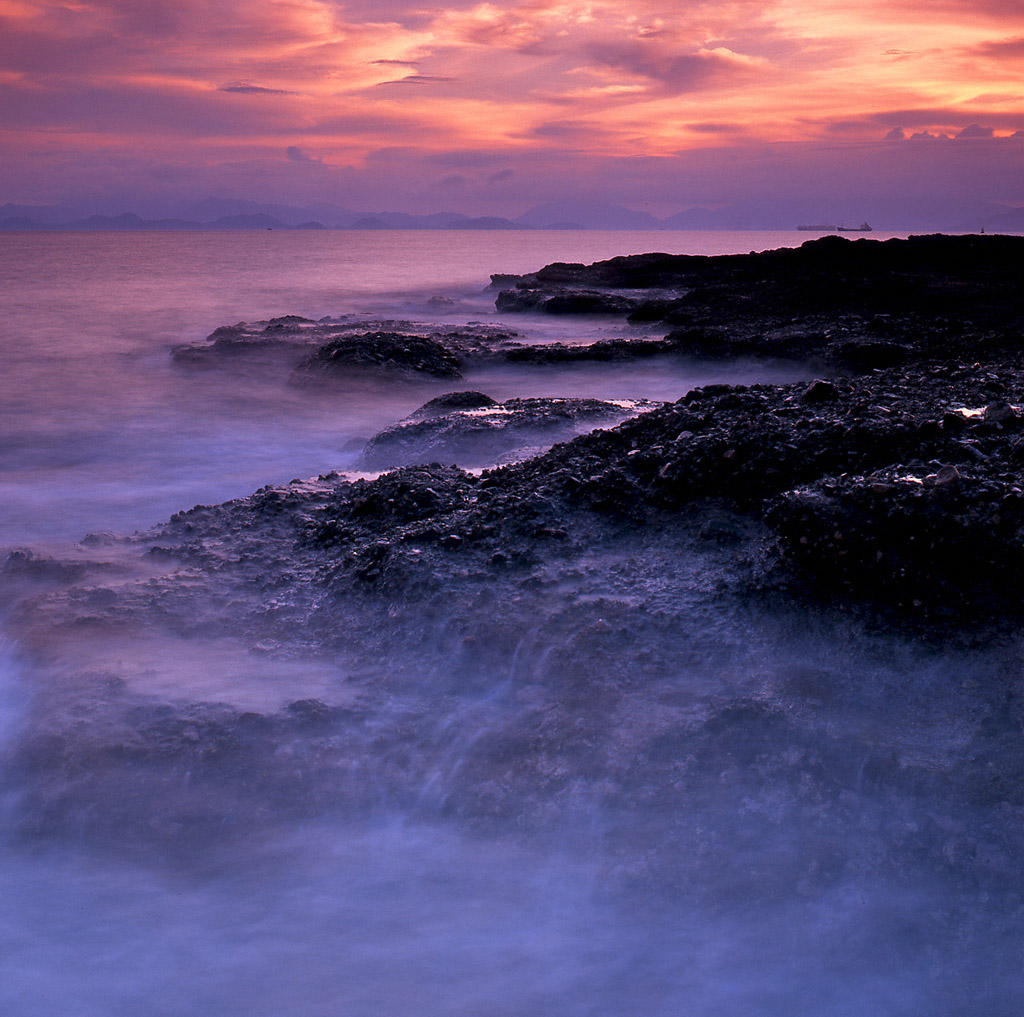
column 898, row 486
column 318, row 348
column 848, row 305
column 461, row 427
column 385, row 353
column 899, row 489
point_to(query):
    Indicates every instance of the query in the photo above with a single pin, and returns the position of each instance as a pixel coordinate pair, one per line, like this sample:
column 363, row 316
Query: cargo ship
column 862, row 228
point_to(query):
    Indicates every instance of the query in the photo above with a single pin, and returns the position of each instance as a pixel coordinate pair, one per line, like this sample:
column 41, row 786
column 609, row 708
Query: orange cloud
column 250, row 78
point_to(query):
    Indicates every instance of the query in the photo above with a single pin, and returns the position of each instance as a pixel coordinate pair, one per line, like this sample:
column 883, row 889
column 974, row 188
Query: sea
column 103, row 433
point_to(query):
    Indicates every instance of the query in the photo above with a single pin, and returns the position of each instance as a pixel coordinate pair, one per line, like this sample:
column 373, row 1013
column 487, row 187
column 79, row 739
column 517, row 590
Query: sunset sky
column 493, row 107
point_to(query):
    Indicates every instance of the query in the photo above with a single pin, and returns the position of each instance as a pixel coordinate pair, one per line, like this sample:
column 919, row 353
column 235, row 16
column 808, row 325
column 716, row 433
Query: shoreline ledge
column 897, row 487
column 842, row 304
column 573, row 593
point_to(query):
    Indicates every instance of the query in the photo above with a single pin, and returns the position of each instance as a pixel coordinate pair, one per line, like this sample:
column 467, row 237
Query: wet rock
column 289, row 334
column 853, row 306
column 504, row 280
column 588, row 303
column 578, row 585
column 490, row 432
column 711, row 342
column 1000, row 412
column 603, row 350
column 946, row 476
column 933, row 549
column 454, row 401
column 408, row 495
column 820, row 392
column 386, row 353
column 863, row 355
column 23, row 567
column 582, row 302
column 291, row 339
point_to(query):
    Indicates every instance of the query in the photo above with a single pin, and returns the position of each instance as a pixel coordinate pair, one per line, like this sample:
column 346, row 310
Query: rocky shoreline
column 896, row 482
column 847, row 305
column 512, row 639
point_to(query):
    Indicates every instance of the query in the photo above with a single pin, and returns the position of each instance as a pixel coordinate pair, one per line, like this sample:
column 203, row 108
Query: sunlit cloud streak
column 545, row 87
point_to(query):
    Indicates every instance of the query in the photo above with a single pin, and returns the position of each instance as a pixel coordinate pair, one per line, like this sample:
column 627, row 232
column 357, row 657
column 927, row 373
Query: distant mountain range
column 237, row 214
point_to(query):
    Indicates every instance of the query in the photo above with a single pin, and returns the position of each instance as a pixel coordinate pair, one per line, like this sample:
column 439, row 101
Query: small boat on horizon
column 862, row 228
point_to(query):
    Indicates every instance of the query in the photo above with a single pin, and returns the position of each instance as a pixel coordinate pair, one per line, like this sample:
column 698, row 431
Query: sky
column 489, row 108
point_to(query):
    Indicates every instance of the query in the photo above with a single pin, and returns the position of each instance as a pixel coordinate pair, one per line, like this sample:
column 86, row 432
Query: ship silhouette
column 862, row 228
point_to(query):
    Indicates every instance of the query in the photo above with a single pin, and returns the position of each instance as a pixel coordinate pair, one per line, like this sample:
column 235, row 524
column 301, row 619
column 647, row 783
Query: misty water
column 784, row 865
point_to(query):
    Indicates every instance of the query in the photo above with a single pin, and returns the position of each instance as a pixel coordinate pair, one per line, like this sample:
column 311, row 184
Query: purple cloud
column 1002, row 49
column 417, row 79
column 976, row 131
column 716, row 128
column 295, row 154
column 245, row 88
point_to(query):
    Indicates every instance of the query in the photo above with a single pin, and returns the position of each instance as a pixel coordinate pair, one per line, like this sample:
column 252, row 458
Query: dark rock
column 604, row 350
column 861, row 355
column 24, row 564
column 538, row 612
column 309, row 711
column 935, row 549
column 945, row 476
column 565, row 302
column 490, row 432
column 588, row 303
column 291, row 339
column 824, row 302
column 712, row 343
column 409, row 495
column 820, row 392
column 454, row 401
column 390, row 353
column 1000, row 412
column 519, row 300
column 501, row 280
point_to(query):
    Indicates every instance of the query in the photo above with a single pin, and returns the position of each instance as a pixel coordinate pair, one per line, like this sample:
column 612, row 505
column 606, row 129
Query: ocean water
column 102, row 431
column 403, row 910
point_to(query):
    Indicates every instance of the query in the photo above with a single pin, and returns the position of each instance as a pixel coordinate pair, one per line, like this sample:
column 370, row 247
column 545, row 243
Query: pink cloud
column 539, row 89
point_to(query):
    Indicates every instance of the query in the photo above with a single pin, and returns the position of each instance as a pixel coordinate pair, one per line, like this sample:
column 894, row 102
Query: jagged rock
column 1000, row 412
column 940, row 549
column 565, row 302
column 387, row 353
column 609, row 627
column 454, row 401
column 291, row 338
column 489, row 432
column 944, row 477
column 603, row 350
column 851, row 305
column 820, row 392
